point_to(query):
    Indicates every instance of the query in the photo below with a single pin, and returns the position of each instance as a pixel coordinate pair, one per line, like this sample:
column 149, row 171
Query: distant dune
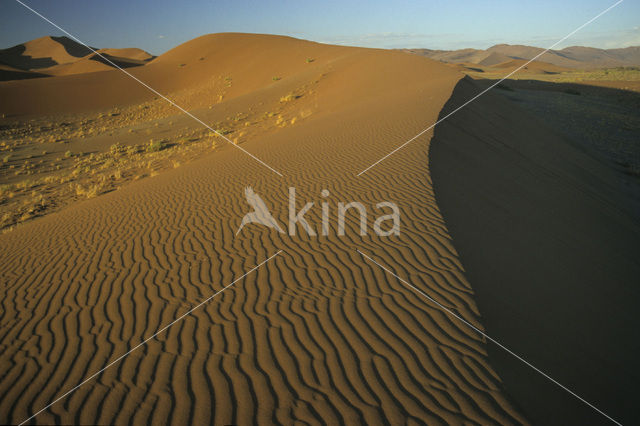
column 123, row 58
column 50, row 56
column 43, row 52
column 571, row 57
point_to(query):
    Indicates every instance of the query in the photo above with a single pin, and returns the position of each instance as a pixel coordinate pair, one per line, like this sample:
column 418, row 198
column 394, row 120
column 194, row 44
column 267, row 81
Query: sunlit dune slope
column 319, row 335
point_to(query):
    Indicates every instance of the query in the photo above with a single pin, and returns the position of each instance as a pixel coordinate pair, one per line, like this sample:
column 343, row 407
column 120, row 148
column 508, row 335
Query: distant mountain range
column 48, row 56
column 570, row 57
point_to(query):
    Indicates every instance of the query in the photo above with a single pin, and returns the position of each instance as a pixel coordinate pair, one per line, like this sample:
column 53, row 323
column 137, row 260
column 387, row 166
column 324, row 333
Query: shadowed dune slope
column 10, row 73
column 551, row 246
column 317, row 336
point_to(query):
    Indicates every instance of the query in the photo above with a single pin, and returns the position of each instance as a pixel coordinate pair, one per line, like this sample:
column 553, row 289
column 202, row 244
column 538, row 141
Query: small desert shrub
column 68, row 154
column 117, row 148
column 290, row 97
column 309, row 60
column 276, row 78
column 89, row 192
column 6, row 158
column 155, row 146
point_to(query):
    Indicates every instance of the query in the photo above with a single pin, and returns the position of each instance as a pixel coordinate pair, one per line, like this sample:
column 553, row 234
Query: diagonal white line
column 492, row 86
column 486, row 336
column 149, row 338
column 152, row 89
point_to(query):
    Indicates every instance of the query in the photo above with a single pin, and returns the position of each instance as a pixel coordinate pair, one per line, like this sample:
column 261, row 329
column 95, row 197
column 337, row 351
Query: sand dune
column 202, row 62
column 319, row 335
column 52, row 56
column 131, row 53
column 43, row 52
column 80, row 66
column 103, row 60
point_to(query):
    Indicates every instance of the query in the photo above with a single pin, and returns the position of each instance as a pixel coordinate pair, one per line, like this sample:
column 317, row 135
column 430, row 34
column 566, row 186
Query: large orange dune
column 318, row 334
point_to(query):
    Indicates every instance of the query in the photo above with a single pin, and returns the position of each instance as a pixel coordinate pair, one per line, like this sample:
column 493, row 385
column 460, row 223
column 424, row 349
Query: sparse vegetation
column 289, row 97
column 155, row 146
column 117, row 149
column 276, row 78
column 89, row 192
column 41, row 179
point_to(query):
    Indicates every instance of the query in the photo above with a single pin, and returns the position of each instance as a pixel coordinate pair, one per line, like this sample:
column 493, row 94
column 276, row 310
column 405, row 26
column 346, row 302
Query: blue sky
column 159, row 25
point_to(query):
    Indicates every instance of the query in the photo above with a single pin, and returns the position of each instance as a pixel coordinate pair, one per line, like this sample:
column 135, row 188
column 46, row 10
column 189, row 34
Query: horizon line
column 335, row 43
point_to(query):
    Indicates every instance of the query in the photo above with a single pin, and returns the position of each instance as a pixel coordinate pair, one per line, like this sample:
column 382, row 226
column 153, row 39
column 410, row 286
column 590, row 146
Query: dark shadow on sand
column 550, row 242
